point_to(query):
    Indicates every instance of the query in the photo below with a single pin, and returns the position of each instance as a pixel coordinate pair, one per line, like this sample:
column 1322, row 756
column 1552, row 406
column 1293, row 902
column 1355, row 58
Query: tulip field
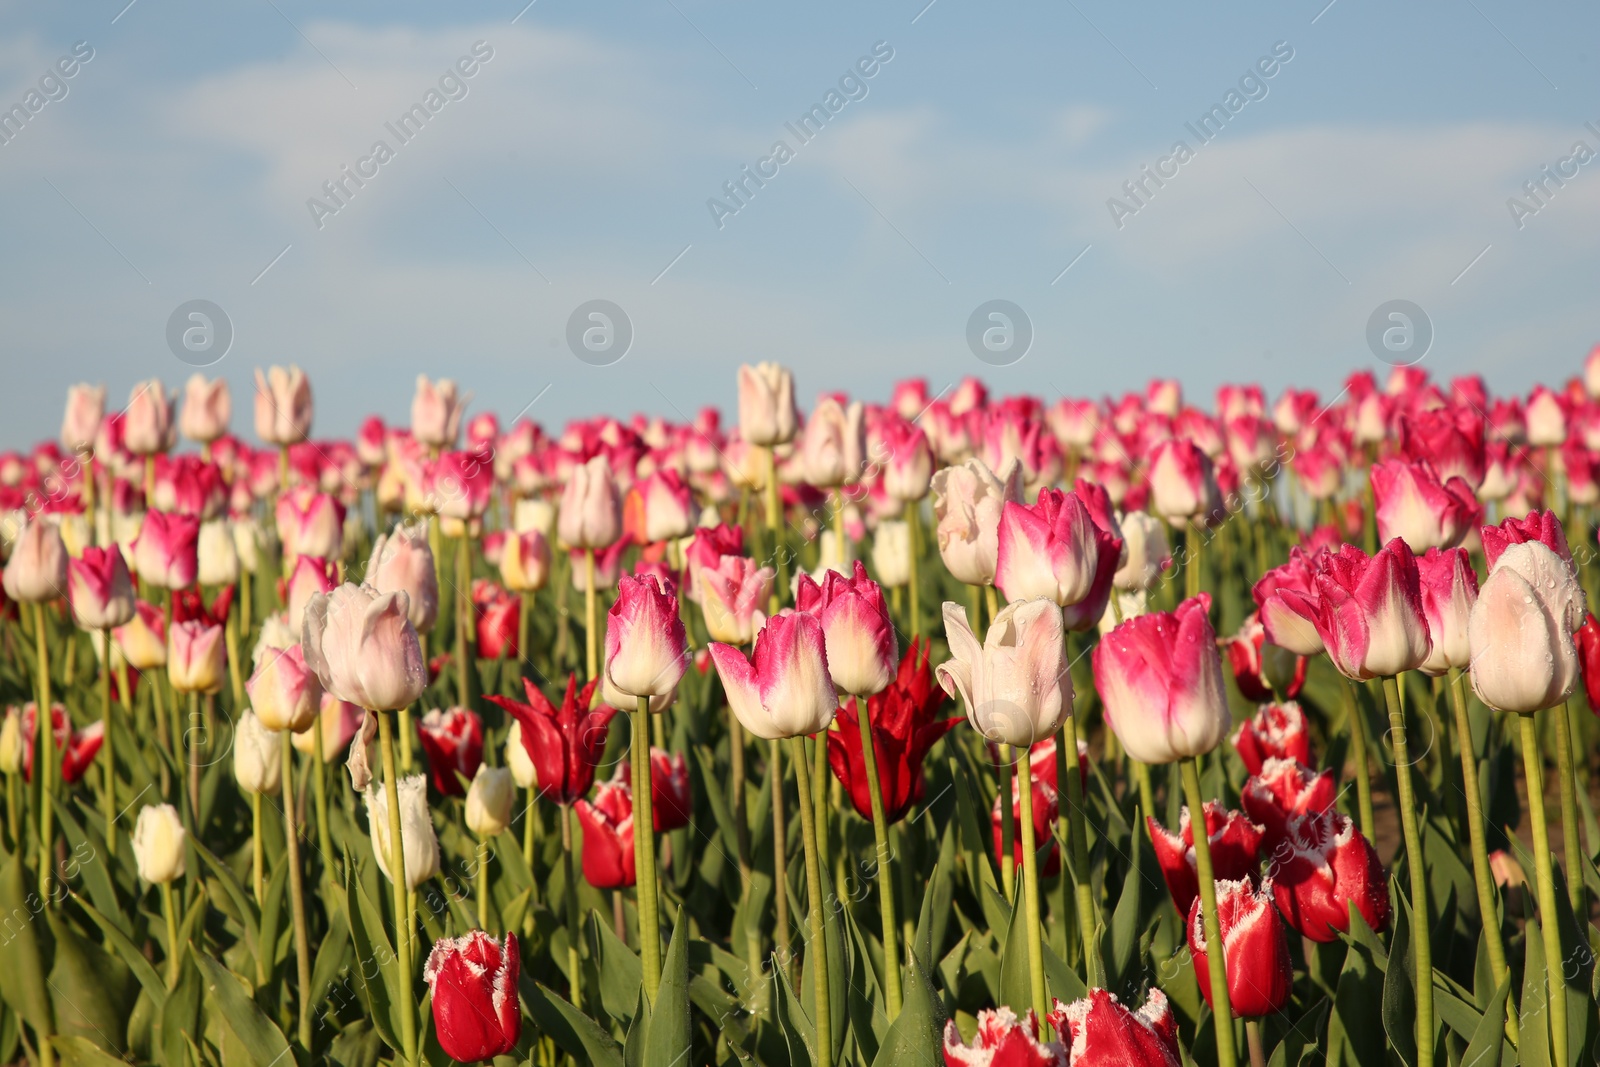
column 876, row 733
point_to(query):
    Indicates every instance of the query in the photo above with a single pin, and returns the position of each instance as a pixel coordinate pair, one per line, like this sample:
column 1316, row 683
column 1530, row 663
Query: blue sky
column 977, row 165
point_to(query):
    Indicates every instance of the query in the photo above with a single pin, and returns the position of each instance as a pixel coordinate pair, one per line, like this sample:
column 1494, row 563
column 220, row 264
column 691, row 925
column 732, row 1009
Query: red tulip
column 452, row 740
column 1258, row 664
column 76, row 748
column 1046, row 806
column 1101, row 1032
column 565, row 744
column 1368, row 611
column 473, row 978
column 1449, row 439
column 671, row 799
column 1276, row 731
column 1588, row 639
column 499, row 612
column 903, row 730
column 188, row 485
column 1322, row 866
column 1421, row 508
column 1002, row 1040
column 1284, row 789
column 608, row 861
column 1256, row 948
column 1235, row 842
column 856, row 629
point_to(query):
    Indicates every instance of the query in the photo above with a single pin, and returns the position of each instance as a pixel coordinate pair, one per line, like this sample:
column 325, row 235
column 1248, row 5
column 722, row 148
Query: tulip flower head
column 1275, row 731
column 452, row 740
column 1046, row 806
column 147, row 421
column 436, row 409
column 1017, row 684
column 158, row 844
column 363, row 647
column 1051, row 549
column 143, row 638
column 197, row 659
column 1234, row 841
column 417, row 839
column 1588, row 641
column 1417, row 506
column 100, row 588
column 1367, row 610
column 1099, row 1031
column 217, row 553
column 489, row 800
column 968, row 501
column 1322, row 866
column 833, row 444
column 402, row 561
column 473, row 981
column 1288, row 623
column 608, row 860
column 733, row 594
column 525, row 561
column 1160, row 677
column 257, row 759
column 856, row 627
column 1541, row 526
column 1262, row 669
column 671, row 799
column 311, row 575
column 767, row 414
column 590, row 516
column 1002, row 1040
column 285, row 692
column 1449, row 588
column 786, row 689
column 563, row 744
column 646, row 647
column 1255, row 946
column 1284, row 789
column 309, row 524
column 338, row 722
column 660, row 508
column 37, row 569
column 1145, row 552
column 1183, row 481
column 1521, row 632
column 75, row 748
column 80, row 425
column 283, row 405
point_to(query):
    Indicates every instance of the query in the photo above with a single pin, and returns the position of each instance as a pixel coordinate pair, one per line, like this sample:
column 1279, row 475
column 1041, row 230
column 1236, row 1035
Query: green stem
column 1571, row 851
column 1030, row 888
column 780, row 859
column 1358, row 750
column 1421, row 943
column 1482, row 876
column 319, row 785
column 191, row 747
column 463, row 613
column 483, row 883
column 297, row 897
column 1216, row 953
column 644, row 846
column 880, row 834
column 913, row 522
column 1550, row 927
column 1008, row 828
column 257, row 855
column 1191, row 566
column 108, row 798
column 153, row 685
column 1078, row 847
column 174, row 958
column 527, row 829
column 817, row 950
column 397, row 875
column 590, row 661
column 775, row 526
column 405, row 740
column 574, row 975
column 44, row 727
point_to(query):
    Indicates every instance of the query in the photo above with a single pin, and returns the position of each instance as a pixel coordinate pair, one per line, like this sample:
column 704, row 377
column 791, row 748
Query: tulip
column 967, row 504
column 607, row 567
column 1050, row 549
column 1146, row 552
column 436, row 410
column 660, row 507
column 166, row 554
column 1261, row 668
column 1183, row 481
column 1255, row 945
column 1281, row 790
column 1002, row 1040
column 1234, row 842
column 197, row 660
column 1451, row 440
column 1322, row 866
column 216, row 554
column 1521, row 630
column 1016, row 685
column 1161, row 680
column 337, row 721
column 767, row 414
column 401, row 561
column 1449, row 588
column 1588, row 642
column 453, row 742
column 786, row 691
column 517, row 759
column 309, row 524
column 1045, row 806
column 1276, row 731
column 283, row 406
column 1101, row 1032
column 80, row 425
column 498, row 615
column 12, row 751
column 158, row 844
column 363, row 647
column 37, row 570
column 489, row 801
column 99, row 589
column 709, row 545
column 147, row 423
column 833, row 444
column 1420, row 508
column 460, row 484
column 76, row 748
column 671, row 799
column 856, row 629
column 891, row 553
column 418, row 843
column 207, row 407
column 1368, row 611
column 1546, row 417
column 143, row 638
column 311, row 575
column 646, row 648
column 562, row 745
column 525, row 561
column 1289, row 625
column 476, row 1013
column 247, row 543
column 284, row 690
column 908, row 467
column 257, row 764
column 733, row 592
column 590, row 516
column 609, row 857
column 1540, row 526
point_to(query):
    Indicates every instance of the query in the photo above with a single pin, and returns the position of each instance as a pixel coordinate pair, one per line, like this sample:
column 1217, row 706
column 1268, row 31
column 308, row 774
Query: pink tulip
column 363, row 647
column 460, row 484
column 908, row 465
column 37, row 570
column 207, row 407
column 372, row 441
column 767, row 413
column 1286, row 625
column 189, row 485
column 1160, row 677
column 660, row 507
column 968, row 501
column 436, row 410
column 402, row 561
column 1368, row 611
column 1050, row 549
column 1546, row 416
column 309, row 524
column 646, row 648
column 100, row 589
column 1448, row 439
column 80, row 425
column 197, row 661
column 525, row 561
column 786, row 691
column 1414, row 505
column 167, row 552
column 862, row 652
column 1541, row 526
column 910, row 397
column 284, row 692
column 1521, row 630
column 147, row 423
column 1016, row 684
column 1183, row 481
column 591, row 508
column 1449, row 588
column 283, row 406
column 833, row 444
column 732, row 593
column 312, row 575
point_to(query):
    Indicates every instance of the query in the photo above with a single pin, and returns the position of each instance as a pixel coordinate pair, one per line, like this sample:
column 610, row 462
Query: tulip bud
column 591, row 507
column 767, row 414
column 786, row 691
column 403, row 561
column 158, row 844
column 217, row 553
column 1284, row 789
column 518, row 761
column 283, row 406
column 532, row 513
column 525, row 561
column 1016, row 685
column 436, row 410
column 646, row 648
column 207, row 407
column 363, row 647
column 1255, row 948
column 166, row 553
column 197, row 660
column 1101, row 1032
column 1449, row 589
column 417, row 839
column 86, row 407
column 37, row 569
column 284, row 691
column 1417, row 506
column 489, row 801
column 608, row 860
column 309, row 524
column 860, row 638
column 1368, row 612
column 1183, row 481
column 143, row 639
column 1261, row 669
column 247, row 543
column 1276, row 731
column 453, row 742
column 733, row 593
column 833, row 444
column 1289, row 625
column 1161, row 680
column 11, row 742
column 891, row 553
column 908, row 469
column 257, row 755
column 967, row 505
column 473, row 979
column 660, row 507
column 147, row 422
column 1323, row 866
column 311, row 575
column 100, row 589
column 1521, row 630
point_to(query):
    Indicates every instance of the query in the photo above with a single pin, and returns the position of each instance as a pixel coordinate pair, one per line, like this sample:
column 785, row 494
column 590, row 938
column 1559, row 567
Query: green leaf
column 263, row 1042
column 1533, row 1036
column 1399, row 992
column 671, row 1028
column 621, row 973
column 92, row 992
column 915, row 1035
column 1142, row 890
column 1357, row 1003
column 180, row 1016
column 81, row 1052
column 1490, row 1037
column 1016, row 984
column 376, row 968
column 272, row 915
column 149, row 980
column 86, row 853
column 332, row 955
column 23, row 950
column 572, row 1031
column 794, row 1026
column 867, row 1019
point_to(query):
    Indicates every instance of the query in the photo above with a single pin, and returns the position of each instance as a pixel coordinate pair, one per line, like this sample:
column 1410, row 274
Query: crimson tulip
column 1322, row 866
column 499, row 612
column 1276, row 731
column 1262, row 670
column 565, row 743
column 1100, row 1031
column 1255, row 946
column 1235, row 843
column 1588, row 642
column 1283, row 789
column 671, row 799
column 1002, row 1040
column 608, row 859
column 473, row 979
column 452, row 739
column 77, row 748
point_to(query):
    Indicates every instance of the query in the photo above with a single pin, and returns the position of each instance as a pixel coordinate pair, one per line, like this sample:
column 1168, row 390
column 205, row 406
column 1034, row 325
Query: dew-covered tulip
column 1235, row 842
column 283, row 405
column 967, row 504
column 1367, row 610
column 436, row 409
column 37, row 569
column 767, row 414
column 452, row 740
column 733, row 594
column 608, row 857
column 1322, row 866
column 1002, row 1040
column 257, row 755
column 197, row 659
column 590, row 516
column 473, row 982
column 860, row 637
column 646, row 648
column 489, row 799
column 562, row 744
column 100, row 589
column 363, row 647
column 207, row 407
column 1521, row 630
column 1449, row 589
column 1100, row 1031
column 1275, row 731
column 1281, row 790
column 786, row 691
column 1415, row 505
column 158, row 844
column 417, row 839
column 1016, row 685
column 402, row 561
column 1160, row 677
column 1255, row 946
column 147, row 421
